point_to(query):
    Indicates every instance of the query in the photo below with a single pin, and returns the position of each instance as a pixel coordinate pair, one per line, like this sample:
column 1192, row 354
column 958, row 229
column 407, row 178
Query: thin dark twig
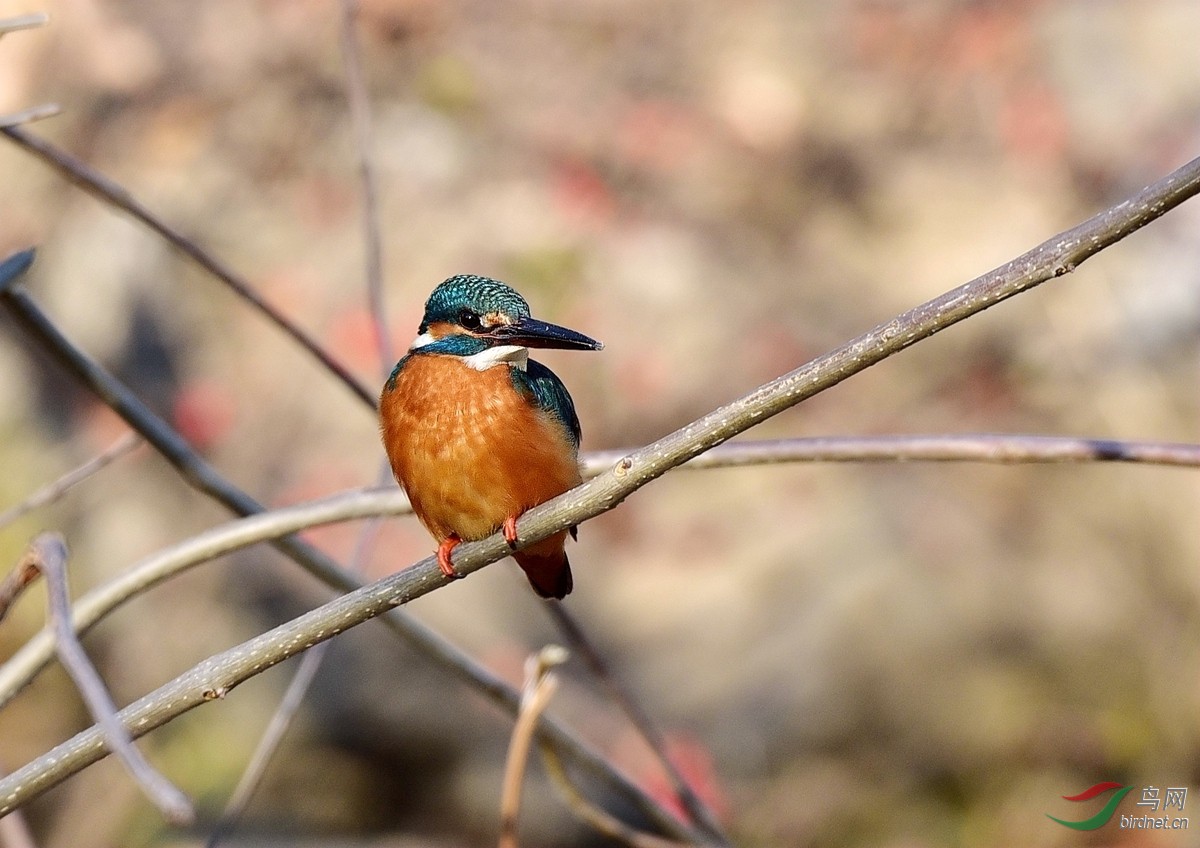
column 33, row 113
column 18, row 580
column 48, row 554
column 108, row 191
column 588, row 812
column 579, row 643
column 540, row 685
column 360, row 115
column 202, row 476
column 51, row 492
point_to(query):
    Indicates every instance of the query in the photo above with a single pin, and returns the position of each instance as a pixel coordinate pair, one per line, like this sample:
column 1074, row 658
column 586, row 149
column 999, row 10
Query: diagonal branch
column 51, row 492
column 106, row 190
column 217, row 675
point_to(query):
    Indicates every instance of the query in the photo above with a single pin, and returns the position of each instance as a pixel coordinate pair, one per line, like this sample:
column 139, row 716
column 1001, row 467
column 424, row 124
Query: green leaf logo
column 1101, row 818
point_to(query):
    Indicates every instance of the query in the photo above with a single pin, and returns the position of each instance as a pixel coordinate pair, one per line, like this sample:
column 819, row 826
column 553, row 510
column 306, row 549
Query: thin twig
column 51, row 492
column 540, row 685
column 19, row 22
column 588, row 812
column 579, row 643
column 360, row 116
column 33, row 113
column 957, row 447
column 48, row 554
column 107, row 191
column 18, row 580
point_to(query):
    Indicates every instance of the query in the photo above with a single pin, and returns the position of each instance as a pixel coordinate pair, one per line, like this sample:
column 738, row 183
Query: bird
column 476, row 432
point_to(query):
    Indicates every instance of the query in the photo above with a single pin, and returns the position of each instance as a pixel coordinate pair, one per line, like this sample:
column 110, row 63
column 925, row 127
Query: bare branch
column 540, row 685
column 18, row 580
column 959, row 447
column 19, row 22
column 107, row 191
column 588, row 812
column 48, row 555
column 51, row 492
column 360, row 115
column 33, row 113
column 695, row 807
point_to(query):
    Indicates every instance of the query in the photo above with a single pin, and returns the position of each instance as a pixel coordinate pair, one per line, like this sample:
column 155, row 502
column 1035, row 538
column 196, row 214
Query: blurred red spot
column 203, row 412
column 354, row 340
column 695, row 764
column 582, row 195
column 656, row 134
column 1034, row 124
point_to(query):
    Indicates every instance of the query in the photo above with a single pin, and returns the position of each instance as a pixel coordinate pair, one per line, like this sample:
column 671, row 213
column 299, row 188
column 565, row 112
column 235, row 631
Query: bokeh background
column 901, row 655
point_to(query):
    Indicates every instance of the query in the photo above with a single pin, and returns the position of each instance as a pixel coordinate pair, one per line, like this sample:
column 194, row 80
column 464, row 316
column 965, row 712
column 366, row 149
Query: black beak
column 530, row 332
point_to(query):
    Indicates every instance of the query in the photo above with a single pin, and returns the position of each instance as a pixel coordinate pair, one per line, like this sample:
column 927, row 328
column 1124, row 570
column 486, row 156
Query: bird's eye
column 470, row 320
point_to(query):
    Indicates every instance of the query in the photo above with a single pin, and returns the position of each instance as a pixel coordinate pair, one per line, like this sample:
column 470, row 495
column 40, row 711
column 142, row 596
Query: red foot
column 510, row 531
column 443, row 555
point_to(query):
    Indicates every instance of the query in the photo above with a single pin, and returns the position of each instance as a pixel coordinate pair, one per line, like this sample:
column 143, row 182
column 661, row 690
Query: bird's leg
column 443, row 555
column 510, row 531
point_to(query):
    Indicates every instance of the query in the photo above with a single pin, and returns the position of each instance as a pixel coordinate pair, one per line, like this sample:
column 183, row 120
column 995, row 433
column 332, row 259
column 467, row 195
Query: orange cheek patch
column 440, row 329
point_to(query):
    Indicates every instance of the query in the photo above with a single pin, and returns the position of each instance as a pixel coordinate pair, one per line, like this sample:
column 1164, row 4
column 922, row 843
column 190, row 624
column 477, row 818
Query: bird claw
column 510, row 531
column 443, row 557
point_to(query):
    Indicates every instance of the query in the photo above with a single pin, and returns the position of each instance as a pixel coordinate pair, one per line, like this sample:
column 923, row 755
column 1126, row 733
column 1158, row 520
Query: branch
column 47, row 554
column 33, row 113
column 604, row 823
column 30, row 21
column 51, row 492
column 360, row 115
column 540, row 685
column 102, row 188
column 959, row 447
column 692, row 803
column 214, row 677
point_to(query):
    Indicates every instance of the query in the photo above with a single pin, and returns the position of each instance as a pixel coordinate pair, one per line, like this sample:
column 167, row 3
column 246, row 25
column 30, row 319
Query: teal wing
column 549, row 393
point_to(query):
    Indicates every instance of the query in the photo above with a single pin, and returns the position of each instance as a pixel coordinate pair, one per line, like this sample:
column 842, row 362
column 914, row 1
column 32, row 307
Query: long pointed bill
column 530, row 332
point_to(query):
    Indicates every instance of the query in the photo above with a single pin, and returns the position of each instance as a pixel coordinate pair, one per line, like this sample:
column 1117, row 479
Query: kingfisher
column 477, row 432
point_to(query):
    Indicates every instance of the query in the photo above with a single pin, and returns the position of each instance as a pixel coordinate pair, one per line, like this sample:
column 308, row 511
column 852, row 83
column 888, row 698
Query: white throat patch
column 513, row 355
column 421, row 341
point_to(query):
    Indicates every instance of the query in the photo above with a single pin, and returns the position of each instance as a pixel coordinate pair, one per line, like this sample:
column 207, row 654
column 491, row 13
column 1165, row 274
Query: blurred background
column 898, row 655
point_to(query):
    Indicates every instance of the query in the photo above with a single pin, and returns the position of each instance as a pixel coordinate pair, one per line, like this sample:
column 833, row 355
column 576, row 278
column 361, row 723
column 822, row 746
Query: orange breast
column 468, row 449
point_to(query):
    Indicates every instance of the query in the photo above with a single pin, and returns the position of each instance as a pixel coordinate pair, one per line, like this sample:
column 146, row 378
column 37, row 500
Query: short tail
column 550, row 576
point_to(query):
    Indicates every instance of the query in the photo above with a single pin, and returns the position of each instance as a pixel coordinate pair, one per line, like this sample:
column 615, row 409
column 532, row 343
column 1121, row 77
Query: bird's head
column 489, row 322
